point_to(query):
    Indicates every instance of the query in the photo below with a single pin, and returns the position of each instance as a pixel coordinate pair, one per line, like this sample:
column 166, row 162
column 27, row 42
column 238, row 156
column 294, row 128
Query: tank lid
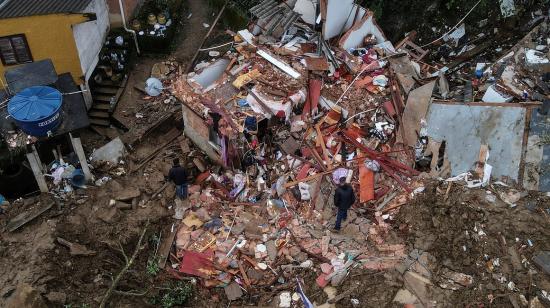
column 35, row 103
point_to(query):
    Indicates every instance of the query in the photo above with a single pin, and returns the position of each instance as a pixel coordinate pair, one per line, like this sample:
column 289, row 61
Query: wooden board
column 166, row 245
column 366, row 184
column 26, row 217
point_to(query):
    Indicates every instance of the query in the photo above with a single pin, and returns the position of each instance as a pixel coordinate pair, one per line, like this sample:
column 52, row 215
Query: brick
column 362, row 83
column 322, row 281
column 382, row 264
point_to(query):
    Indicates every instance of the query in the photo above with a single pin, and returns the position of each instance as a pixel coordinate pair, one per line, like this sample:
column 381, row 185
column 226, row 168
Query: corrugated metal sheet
column 19, row 8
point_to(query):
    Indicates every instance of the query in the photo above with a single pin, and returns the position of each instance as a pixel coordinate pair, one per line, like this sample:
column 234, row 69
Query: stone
column 271, row 250
column 294, row 251
column 254, row 274
column 233, row 291
column 418, row 285
column 25, row 296
column 454, row 280
column 127, row 194
column 107, row 215
column 76, row 249
column 353, row 231
column 111, row 152
column 421, row 265
column 404, row 296
column 57, row 297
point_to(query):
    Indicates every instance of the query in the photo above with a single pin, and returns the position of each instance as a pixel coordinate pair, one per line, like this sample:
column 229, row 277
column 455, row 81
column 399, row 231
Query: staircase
column 105, row 94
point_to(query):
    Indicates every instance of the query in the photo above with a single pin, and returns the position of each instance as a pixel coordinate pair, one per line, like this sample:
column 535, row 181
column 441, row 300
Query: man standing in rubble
column 178, row 175
column 344, row 197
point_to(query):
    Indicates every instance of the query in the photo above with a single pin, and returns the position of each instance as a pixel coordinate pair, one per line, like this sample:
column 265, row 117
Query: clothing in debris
column 344, row 197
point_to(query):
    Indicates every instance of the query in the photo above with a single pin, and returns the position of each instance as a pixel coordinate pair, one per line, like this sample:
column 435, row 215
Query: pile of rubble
column 286, row 115
column 294, row 106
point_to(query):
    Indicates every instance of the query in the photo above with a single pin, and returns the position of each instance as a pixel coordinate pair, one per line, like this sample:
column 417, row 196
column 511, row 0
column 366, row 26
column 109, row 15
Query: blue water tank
column 36, row 110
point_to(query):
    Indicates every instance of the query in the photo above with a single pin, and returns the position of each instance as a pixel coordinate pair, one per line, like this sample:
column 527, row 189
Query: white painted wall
column 89, row 36
column 354, row 37
column 338, row 13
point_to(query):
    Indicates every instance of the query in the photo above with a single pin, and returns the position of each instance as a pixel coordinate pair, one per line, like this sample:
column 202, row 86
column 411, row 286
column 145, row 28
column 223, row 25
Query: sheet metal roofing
column 20, row 8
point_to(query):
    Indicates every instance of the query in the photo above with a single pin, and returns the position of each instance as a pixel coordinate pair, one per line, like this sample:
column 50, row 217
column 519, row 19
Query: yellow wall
column 49, row 37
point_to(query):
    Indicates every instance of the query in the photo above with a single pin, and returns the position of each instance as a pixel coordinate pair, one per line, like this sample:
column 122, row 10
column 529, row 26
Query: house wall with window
column 198, row 131
column 33, row 38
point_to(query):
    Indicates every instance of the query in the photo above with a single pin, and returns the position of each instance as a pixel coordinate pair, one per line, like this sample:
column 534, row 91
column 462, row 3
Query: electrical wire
column 216, row 47
column 453, row 28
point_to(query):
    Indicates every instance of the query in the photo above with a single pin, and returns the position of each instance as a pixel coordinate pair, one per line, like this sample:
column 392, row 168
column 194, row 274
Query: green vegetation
column 153, row 267
column 175, row 294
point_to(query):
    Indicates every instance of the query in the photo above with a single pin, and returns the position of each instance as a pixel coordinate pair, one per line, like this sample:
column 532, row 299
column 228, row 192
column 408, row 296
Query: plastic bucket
column 77, row 178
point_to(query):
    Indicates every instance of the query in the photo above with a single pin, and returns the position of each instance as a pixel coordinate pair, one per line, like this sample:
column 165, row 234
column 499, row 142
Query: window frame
column 27, row 48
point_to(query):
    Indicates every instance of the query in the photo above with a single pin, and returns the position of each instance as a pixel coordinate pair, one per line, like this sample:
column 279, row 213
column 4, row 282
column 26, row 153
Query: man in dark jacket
column 178, row 175
column 344, row 197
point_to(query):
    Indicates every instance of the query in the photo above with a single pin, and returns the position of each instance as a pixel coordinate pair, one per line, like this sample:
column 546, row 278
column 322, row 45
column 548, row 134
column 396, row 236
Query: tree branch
column 125, row 268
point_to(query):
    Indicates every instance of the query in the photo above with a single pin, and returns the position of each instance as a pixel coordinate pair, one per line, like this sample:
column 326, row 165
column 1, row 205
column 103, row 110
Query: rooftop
column 20, row 8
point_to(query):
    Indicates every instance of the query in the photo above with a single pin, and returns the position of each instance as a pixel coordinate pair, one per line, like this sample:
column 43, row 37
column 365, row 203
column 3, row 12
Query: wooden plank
column 303, row 171
column 26, row 217
column 169, row 233
column 243, row 273
column 524, row 143
column 522, row 104
column 321, row 141
column 366, row 184
column 37, row 171
column 79, row 150
column 416, row 109
column 480, row 166
column 309, row 178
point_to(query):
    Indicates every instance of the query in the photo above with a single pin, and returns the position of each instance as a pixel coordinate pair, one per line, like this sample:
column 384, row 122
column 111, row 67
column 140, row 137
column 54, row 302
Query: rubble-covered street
column 217, row 163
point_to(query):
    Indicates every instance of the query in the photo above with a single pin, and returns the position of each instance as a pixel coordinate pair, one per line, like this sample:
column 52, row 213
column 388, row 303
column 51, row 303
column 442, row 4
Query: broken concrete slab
column 416, row 109
column 404, row 296
column 466, row 127
column 208, row 78
column 307, row 10
column 366, row 26
column 418, row 285
column 111, row 152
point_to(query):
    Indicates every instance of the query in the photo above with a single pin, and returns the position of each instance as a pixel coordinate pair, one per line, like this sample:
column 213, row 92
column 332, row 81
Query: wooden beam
column 523, row 104
column 36, row 167
column 77, row 147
